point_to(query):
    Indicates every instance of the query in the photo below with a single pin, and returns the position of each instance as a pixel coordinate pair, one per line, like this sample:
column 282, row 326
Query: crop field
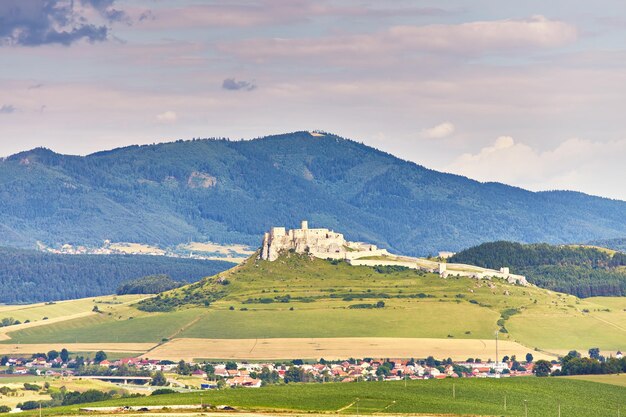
column 336, row 348
column 486, row 397
column 579, row 330
column 131, row 327
column 35, row 312
column 618, row 379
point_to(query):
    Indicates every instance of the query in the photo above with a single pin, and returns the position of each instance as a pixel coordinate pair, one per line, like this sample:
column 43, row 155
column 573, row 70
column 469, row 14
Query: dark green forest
column 581, row 271
column 28, row 276
column 232, row 191
column 151, row 284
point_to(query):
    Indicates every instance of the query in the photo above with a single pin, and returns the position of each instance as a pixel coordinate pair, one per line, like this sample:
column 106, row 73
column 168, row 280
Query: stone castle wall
column 321, row 243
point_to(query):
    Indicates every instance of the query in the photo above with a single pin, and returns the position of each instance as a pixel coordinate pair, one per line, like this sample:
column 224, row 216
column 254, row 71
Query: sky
column 529, row 93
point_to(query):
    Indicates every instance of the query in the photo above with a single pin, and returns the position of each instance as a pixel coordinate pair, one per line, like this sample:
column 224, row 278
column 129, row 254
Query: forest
column 28, row 276
column 232, row 191
column 579, row 270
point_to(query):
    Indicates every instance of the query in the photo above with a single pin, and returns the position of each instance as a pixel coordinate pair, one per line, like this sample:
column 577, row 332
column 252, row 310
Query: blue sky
column 529, row 93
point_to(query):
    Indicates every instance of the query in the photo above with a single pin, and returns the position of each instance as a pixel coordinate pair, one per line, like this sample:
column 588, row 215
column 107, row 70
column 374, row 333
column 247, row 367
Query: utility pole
column 559, row 408
column 357, row 407
column 497, row 331
column 454, row 391
column 526, row 408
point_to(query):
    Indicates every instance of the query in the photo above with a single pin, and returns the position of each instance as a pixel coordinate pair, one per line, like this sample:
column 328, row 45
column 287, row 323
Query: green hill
column 584, row 271
column 232, row 191
column 300, row 297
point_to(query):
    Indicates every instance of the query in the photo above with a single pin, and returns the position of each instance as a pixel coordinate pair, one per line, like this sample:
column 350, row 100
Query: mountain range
column 232, row 191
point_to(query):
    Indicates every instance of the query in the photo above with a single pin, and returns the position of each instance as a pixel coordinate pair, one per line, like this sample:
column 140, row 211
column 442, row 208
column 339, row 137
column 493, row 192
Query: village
column 219, row 375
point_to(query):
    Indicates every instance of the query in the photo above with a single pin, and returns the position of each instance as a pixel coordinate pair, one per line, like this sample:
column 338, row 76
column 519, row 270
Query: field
column 295, row 297
column 472, row 396
column 576, row 329
column 71, row 384
column 619, row 379
column 336, row 348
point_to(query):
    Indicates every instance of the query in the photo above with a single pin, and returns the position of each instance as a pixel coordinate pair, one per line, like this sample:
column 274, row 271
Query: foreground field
column 471, row 397
column 336, row 348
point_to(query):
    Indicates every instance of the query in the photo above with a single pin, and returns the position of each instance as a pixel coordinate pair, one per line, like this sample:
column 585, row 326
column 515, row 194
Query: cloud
column 440, row 131
column 591, row 165
column 256, row 13
column 234, row 85
column 41, row 22
column 106, row 9
column 167, row 117
column 462, row 40
column 7, row 109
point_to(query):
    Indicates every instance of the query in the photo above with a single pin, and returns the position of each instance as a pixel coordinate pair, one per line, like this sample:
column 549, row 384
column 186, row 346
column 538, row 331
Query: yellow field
column 21, row 395
column 337, row 348
column 136, row 248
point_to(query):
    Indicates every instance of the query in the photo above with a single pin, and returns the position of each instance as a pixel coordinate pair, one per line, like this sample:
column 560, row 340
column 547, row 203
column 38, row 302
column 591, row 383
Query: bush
column 5, row 409
column 163, row 391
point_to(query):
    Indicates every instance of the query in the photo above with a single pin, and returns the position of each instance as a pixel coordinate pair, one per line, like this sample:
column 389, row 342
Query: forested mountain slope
column 578, row 270
column 232, row 191
column 28, row 276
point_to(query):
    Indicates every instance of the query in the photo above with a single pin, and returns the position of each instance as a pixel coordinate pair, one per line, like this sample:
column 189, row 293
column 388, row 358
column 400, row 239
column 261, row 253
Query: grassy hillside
column 300, row 297
column 232, row 191
column 473, row 397
column 32, row 276
column 584, row 271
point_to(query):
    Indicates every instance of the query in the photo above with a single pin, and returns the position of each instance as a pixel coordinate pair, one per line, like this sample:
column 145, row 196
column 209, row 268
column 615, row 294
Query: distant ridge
column 232, row 191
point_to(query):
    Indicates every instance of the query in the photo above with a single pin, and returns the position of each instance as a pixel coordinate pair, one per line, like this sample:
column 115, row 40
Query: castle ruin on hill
column 328, row 244
column 321, row 243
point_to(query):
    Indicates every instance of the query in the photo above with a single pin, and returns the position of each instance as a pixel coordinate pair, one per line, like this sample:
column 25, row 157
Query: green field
column 618, row 379
column 485, row 397
column 35, row 312
column 298, row 297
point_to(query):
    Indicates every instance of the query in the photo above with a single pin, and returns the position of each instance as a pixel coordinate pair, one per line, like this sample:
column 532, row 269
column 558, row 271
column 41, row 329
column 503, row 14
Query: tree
column 380, row 304
column 542, row 368
column 209, row 369
column 65, row 355
column 183, row 368
column 231, row 366
column 529, row 357
column 100, row 356
column 52, row 355
column 594, row 353
column 159, row 379
column 294, row 374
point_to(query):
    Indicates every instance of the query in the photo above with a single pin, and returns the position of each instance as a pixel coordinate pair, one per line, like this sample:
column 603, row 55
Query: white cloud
column 592, row 166
column 167, row 117
column 465, row 39
column 440, row 131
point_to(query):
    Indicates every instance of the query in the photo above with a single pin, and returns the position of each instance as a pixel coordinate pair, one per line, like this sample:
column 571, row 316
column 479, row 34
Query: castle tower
column 305, row 225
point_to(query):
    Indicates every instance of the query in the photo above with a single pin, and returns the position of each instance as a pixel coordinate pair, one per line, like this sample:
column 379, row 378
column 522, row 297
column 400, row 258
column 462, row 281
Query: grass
column 619, row 379
column 103, row 328
column 575, row 329
column 473, row 396
column 36, row 312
